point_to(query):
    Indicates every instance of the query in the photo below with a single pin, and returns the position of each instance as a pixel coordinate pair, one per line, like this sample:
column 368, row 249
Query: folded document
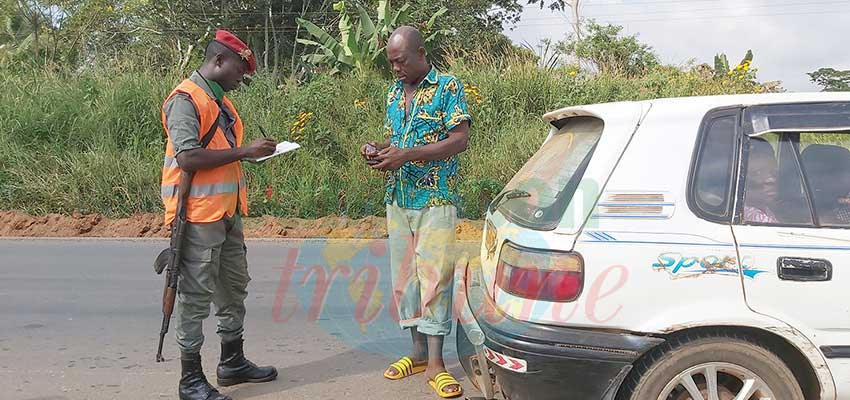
column 282, row 147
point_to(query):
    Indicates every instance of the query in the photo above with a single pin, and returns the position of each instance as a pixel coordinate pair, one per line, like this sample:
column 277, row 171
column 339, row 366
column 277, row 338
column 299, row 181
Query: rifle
column 169, row 259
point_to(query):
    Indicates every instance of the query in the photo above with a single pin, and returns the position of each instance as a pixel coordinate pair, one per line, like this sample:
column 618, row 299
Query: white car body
column 645, row 250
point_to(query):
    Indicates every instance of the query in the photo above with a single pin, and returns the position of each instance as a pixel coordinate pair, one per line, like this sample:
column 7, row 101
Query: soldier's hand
column 260, row 148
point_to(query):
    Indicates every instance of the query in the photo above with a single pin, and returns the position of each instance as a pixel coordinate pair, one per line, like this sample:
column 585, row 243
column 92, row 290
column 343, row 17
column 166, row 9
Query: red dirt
column 17, row 224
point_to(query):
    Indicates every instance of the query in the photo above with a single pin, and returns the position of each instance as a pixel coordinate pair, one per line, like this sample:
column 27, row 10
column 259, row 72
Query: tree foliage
column 744, row 70
column 473, row 22
column 608, row 51
column 721, row 65
column 831, row 80
column 360, row 46
column 73, row 34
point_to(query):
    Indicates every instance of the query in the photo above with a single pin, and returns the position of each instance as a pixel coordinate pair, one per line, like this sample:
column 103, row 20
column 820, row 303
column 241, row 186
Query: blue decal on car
column 679, row 266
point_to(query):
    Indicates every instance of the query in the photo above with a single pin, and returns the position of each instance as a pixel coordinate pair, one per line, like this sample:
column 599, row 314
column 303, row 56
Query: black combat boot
column 234, row 368
column 193, row 383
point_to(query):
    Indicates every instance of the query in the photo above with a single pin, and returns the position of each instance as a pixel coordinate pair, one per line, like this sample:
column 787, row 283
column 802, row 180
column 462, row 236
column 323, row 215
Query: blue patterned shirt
column 438, row 106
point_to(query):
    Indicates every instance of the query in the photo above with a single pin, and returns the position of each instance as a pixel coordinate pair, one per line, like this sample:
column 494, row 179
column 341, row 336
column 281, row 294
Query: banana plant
column 721, row 65
column 722, row 68
column 360, row 46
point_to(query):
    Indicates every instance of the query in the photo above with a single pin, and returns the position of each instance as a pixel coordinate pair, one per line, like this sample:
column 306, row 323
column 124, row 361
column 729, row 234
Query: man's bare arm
column 200, row 159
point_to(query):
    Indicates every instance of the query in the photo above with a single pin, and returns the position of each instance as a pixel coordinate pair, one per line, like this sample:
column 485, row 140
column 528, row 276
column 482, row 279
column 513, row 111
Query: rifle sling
column 186, row 177
column 205, row 141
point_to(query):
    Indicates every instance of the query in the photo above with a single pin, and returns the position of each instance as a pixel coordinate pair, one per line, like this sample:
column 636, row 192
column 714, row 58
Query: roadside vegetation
column 84, row 134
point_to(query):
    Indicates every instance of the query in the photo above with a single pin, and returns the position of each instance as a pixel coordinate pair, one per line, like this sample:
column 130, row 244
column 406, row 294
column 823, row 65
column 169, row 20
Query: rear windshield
column 540, row 192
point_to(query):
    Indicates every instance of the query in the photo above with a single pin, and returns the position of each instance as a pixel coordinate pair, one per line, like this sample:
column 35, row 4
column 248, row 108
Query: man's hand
column 369, row 150
column 391, row 158
column 260, row 148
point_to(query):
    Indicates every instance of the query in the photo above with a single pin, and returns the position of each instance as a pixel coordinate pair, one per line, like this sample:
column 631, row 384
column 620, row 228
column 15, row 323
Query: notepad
column 282, row 147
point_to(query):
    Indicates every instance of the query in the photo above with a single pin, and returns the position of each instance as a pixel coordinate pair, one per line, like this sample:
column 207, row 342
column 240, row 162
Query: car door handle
column 804, row 269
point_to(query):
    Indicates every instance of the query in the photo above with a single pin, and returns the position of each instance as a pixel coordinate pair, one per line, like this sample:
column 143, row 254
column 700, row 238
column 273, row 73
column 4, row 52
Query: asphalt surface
column 80, row 320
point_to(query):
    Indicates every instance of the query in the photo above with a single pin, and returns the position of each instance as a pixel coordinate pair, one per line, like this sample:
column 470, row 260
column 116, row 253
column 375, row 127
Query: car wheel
column 711, row 367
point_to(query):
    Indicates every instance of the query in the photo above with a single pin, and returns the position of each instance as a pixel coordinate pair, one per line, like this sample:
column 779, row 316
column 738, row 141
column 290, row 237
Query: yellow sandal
column 405, row 368
column 440, row 382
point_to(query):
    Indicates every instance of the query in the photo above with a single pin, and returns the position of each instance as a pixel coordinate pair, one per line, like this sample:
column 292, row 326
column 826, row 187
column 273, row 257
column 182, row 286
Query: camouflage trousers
column 214, row 270
column 421, row 243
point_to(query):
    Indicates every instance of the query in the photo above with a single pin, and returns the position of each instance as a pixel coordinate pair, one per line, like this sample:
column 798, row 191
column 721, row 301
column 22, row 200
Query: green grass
column 93, row 141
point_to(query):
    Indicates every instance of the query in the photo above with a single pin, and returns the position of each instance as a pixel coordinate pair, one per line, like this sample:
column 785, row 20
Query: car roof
column 706, row 103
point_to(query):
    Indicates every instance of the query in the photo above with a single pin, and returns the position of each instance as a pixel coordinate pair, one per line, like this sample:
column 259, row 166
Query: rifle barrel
column 162, row 332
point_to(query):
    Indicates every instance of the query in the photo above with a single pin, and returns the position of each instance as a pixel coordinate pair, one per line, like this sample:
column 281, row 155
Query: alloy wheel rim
column 717, row 381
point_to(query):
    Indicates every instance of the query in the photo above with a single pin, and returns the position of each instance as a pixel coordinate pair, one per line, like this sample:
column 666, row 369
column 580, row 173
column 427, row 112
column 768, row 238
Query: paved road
column 80, row 321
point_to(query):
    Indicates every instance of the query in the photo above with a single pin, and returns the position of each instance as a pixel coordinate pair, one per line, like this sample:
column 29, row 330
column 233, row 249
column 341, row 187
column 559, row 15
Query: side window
column 795, row 165
column 774, row 192
column 825, row 159
column 714, row 167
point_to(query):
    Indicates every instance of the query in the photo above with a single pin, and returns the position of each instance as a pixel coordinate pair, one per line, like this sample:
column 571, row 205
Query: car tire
column 733, row 359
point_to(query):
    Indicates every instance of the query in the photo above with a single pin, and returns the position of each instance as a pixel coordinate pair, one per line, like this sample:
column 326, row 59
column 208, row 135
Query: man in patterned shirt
column 427, row 126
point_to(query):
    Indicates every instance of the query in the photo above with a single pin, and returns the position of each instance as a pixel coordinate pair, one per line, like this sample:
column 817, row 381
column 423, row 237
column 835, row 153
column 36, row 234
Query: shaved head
column 407, row 37
column 406, row 54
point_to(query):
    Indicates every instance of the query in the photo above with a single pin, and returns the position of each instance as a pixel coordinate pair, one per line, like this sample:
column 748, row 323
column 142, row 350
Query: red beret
column 238, row 46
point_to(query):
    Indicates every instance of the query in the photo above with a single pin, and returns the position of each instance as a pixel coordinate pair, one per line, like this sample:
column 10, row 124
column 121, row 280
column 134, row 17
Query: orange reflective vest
column 215, row 192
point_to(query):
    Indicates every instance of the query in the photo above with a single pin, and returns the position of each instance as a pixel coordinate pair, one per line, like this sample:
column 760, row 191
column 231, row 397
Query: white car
column 676, row 249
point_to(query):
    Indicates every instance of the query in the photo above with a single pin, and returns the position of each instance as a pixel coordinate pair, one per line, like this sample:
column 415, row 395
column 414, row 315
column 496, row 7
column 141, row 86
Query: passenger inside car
column 760, row 201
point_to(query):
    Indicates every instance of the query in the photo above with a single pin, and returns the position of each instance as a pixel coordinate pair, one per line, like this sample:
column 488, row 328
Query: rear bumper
column 562, row 363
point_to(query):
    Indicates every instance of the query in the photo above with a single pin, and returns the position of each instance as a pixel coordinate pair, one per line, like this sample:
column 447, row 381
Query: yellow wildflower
column 573, row 73
column 300, row 124
column 744, row 66
column 360, row 103
column 473, row 92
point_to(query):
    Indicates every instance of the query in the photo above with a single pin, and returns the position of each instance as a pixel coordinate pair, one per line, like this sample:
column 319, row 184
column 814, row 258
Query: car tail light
column 540, row 274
